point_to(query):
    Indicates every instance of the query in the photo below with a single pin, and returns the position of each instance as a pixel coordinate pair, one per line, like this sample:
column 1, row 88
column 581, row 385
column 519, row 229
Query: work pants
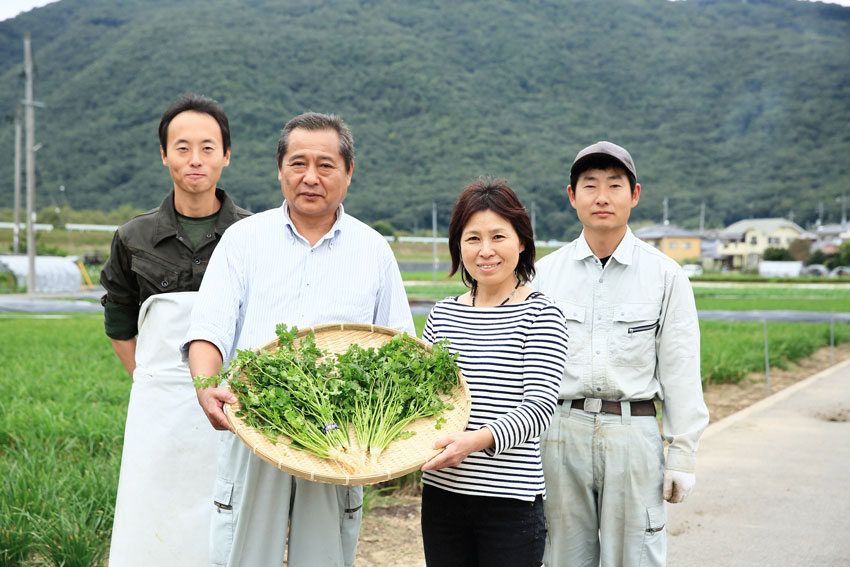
column 256, row 502
column 604, row 476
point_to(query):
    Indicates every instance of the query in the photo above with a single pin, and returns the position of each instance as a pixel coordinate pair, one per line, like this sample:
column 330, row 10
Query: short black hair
column 313, row 121
column 194, row 103
column 488, row 194
column 605, row 163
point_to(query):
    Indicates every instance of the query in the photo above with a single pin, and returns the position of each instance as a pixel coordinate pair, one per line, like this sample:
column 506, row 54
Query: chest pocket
column 155, row 276
column 577, row 347
column 632, row 339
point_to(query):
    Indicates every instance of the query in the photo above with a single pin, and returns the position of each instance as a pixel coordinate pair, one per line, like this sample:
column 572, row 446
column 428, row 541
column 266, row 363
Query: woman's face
column 490, row 248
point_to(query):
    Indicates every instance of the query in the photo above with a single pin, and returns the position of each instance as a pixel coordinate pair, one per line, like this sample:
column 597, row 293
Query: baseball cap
column 605, row 149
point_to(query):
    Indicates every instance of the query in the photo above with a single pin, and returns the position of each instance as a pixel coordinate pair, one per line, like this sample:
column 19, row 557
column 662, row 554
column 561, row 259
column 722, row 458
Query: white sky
column 11, row 8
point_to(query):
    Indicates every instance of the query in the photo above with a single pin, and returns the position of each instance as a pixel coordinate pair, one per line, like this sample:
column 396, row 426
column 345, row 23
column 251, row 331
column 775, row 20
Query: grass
column 61, row 429
column 753, row 297
column 731, row 350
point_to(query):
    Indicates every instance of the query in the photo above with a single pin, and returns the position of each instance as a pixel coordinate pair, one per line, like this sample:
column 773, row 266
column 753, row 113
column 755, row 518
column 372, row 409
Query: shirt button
column 600, row 280
column 197, row 261
column 180, row 238
column 209, row 235
column 164, row 283
column 597, row 352
column 598, row 389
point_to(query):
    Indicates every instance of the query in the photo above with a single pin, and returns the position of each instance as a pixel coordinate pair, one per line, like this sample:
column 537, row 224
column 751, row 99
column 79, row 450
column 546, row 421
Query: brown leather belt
column 641, row 408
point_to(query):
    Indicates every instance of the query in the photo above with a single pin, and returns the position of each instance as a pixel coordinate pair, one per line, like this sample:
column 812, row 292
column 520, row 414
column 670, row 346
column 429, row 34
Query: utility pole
column 17, row 231
column 533, row 219
column 30, row 124
column 820, row 214
column 666, row 220
column 702, row 217
column 29, row 120
column 843, row 200
column 434, row 235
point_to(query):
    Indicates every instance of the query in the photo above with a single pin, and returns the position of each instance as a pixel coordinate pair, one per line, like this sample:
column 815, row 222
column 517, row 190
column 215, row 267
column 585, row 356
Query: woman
column 482, row 501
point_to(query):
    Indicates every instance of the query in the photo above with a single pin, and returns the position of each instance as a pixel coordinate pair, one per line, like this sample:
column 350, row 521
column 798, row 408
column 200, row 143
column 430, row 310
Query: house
column 678, row 243
column 830, row 236
column 742, row 244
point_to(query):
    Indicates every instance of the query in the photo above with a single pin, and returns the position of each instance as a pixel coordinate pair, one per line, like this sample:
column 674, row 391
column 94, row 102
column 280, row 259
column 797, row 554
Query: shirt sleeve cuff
column 678, row 460
column 120, row 320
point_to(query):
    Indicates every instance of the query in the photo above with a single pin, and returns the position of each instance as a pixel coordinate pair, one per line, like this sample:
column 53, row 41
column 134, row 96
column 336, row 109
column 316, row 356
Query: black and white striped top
column 512, row 356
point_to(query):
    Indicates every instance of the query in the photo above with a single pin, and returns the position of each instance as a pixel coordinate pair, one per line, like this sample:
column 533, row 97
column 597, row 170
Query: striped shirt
column 264, row 273
column 512, row 356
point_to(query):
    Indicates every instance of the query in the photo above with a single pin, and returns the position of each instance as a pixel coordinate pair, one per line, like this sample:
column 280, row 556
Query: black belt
column 592, row 405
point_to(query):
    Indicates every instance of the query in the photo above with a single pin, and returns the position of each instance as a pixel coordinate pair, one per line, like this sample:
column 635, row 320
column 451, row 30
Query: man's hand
column 204, row 359
column 678, row 485
column 212, row 401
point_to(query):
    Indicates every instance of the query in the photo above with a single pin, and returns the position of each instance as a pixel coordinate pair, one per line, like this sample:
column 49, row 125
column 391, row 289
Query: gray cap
column 606, row 149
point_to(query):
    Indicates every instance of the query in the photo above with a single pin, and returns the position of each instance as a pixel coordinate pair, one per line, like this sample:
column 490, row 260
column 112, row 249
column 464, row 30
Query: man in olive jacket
column 151, row 279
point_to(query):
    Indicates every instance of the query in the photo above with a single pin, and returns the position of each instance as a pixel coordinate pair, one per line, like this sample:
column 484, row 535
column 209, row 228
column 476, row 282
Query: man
column 303, row 264
column 634, row 338
column 153, row 272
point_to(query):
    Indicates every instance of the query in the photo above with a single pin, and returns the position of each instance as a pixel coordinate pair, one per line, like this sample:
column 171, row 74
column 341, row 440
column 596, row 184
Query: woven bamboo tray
column 401, row 457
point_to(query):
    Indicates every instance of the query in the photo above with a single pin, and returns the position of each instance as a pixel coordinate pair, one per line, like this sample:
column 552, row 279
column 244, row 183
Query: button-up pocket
column 577, row 348
column 155, row 275
column 632, row 340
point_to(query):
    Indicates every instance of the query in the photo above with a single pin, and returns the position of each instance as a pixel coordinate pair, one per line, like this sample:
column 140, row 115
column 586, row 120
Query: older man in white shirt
column 634, row 339
column 305, row 263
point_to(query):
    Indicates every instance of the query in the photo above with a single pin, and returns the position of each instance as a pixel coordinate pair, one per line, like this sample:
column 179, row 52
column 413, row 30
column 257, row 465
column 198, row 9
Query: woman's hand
column 457, row 446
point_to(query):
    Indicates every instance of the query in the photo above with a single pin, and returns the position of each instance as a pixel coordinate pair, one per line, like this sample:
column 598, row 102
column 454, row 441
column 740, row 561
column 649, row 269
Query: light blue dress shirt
column 264, row 273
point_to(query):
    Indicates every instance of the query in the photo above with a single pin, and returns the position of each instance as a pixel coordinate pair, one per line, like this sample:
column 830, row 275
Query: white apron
column 162, row 514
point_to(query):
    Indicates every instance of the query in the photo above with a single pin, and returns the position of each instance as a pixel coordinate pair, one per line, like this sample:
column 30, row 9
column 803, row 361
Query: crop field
column 64, row 405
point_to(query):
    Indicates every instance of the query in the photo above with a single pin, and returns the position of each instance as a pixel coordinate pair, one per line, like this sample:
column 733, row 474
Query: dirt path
column 390, row 536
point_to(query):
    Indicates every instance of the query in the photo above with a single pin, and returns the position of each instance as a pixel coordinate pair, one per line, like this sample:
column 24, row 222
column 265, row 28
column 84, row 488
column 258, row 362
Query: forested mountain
column 743, row 105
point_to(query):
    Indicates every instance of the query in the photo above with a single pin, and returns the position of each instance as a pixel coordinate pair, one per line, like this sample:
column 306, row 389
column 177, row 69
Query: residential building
column 678, row 243
column 742, row 244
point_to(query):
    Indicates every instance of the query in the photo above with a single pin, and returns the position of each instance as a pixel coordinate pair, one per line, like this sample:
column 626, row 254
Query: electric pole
column 702, row 217
column 29, row 120
column 16, row 239
column 434, row 237
column 666, row 220
column 533, row 219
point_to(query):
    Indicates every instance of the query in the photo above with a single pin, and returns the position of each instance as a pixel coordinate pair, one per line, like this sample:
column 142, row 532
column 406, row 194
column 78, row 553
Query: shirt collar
column 166, row 217
column 331, row 235
column 623, row 253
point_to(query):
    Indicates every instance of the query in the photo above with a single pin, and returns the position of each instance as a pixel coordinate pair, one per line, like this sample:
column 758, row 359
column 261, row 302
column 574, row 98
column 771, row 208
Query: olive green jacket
column 151, row 254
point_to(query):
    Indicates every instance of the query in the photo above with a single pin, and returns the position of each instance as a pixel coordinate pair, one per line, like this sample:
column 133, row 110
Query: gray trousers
column 604, row 475
column 255, row 503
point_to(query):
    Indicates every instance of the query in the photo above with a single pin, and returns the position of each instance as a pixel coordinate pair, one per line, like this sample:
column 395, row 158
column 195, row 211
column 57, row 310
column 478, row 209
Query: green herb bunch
column 311, row 397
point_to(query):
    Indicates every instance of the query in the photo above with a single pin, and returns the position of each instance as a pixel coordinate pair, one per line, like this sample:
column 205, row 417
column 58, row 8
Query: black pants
column 481, row 531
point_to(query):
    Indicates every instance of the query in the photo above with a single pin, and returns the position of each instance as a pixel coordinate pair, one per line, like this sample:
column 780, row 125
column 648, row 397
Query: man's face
column 194, row 154
column 312, row 175
column 603, row 199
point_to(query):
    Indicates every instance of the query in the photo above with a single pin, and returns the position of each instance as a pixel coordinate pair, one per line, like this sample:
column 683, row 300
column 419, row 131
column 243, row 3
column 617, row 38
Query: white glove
column 678, row 485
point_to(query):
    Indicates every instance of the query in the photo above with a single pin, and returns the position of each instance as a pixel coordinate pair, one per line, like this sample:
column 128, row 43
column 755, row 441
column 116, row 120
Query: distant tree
column 384, row 228
column 844, row 254
column 777, row 254
column 800, row 249
column 817, row 258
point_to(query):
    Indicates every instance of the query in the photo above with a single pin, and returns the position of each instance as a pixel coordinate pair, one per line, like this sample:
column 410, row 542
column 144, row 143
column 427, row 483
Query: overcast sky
column 11, row 8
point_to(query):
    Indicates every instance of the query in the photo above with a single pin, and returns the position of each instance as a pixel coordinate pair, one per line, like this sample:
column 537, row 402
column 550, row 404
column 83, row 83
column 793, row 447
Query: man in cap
column 634, row 340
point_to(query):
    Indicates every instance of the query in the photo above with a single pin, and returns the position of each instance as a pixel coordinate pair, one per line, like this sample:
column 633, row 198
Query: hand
column 678, row 485
column 212, row 402
column 457, row 446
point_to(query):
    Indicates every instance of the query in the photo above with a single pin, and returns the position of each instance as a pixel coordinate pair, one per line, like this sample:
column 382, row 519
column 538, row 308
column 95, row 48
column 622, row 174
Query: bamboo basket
column 401, row 457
